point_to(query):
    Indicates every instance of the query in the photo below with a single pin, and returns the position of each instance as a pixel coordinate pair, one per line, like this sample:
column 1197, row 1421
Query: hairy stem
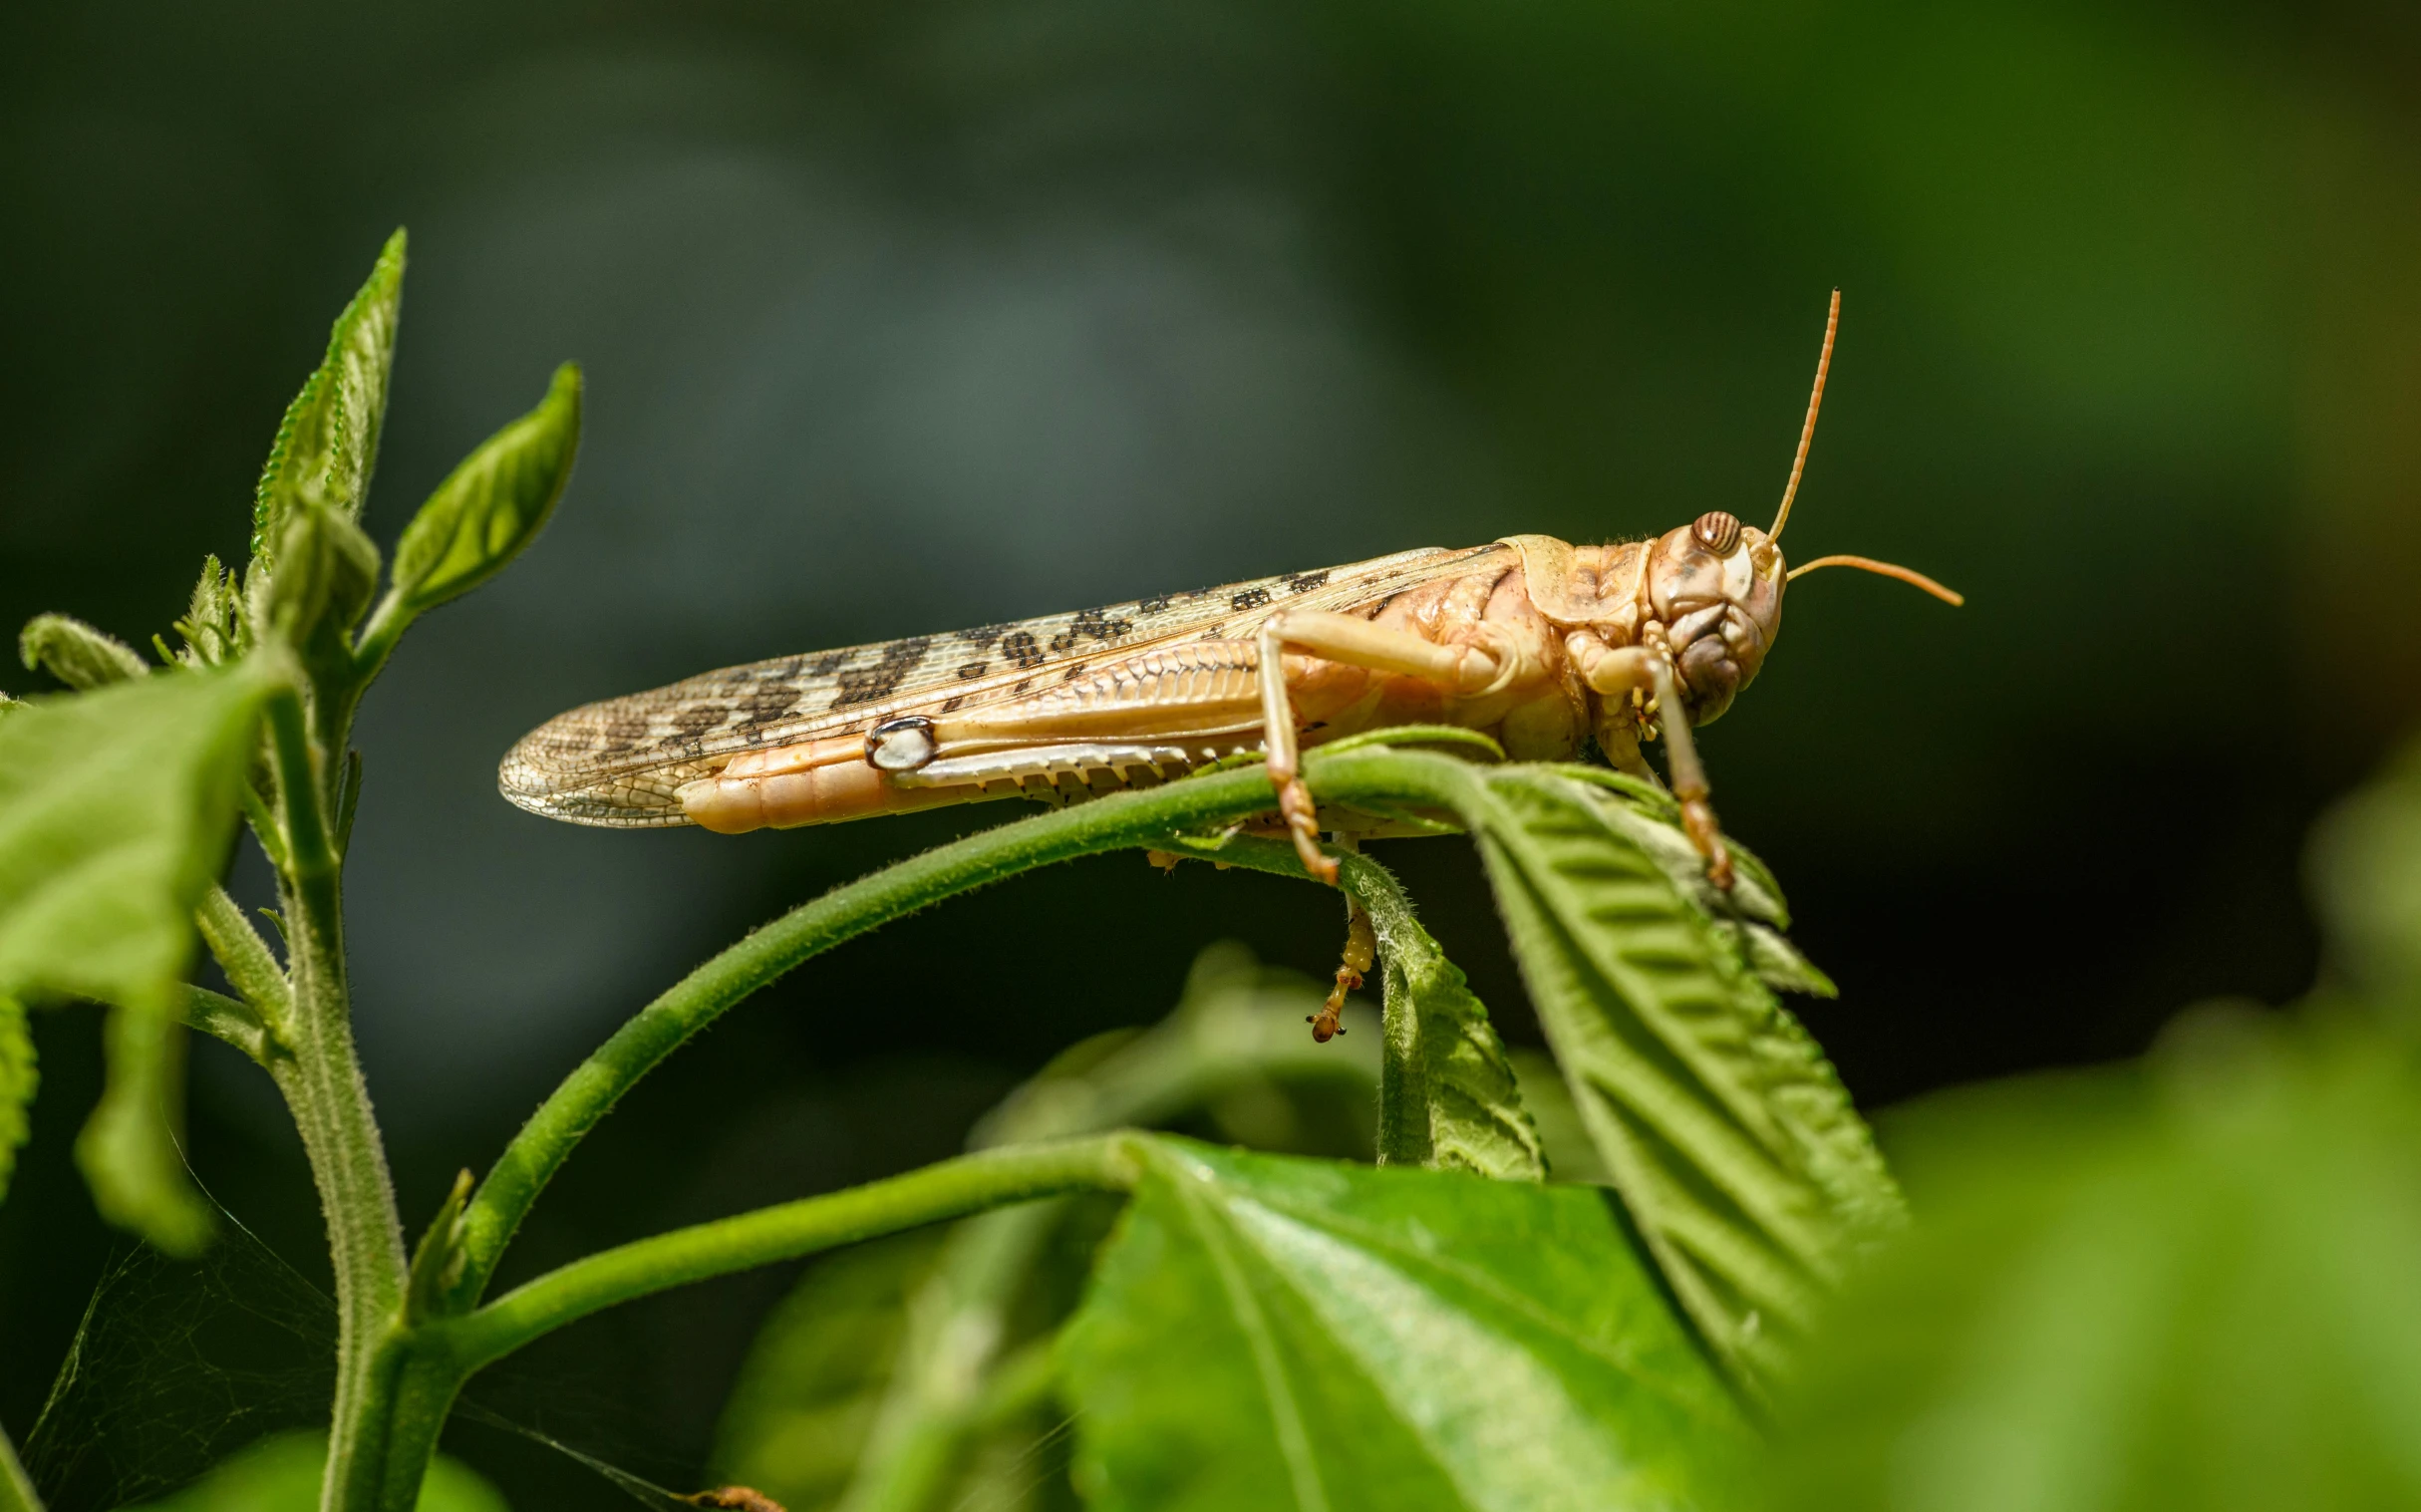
column 322, row 1084
column 950, row 1189
column 422, row 1371
column 656, row 1031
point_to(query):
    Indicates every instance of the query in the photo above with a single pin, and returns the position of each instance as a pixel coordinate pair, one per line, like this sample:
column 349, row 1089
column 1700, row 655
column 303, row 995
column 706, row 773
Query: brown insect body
column 1536, row 642
column 1200, row 698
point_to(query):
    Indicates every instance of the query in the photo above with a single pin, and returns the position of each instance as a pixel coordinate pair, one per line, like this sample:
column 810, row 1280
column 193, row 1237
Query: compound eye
column 1717, row 531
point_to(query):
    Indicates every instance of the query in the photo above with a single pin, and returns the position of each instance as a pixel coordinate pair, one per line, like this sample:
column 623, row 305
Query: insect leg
column 1359, row 643
column 1361, row 954
column 1689, row 778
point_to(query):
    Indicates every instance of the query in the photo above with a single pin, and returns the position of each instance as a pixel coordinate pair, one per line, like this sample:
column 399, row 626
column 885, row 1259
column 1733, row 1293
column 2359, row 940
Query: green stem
column 421, row 1371
column 1118, row 823
column 322, row 1084
column 934, row 1193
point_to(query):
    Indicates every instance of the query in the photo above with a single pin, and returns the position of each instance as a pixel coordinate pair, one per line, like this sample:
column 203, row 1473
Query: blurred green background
column 906, row 317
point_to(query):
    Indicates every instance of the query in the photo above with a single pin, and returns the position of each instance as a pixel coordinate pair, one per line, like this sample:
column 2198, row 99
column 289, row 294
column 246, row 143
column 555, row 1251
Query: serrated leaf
column 19, row 1078
column 115, row 811
column 327, row 444
column 1749, row 1172
column 1449, row 1097
column 128, row 1149
column 1751, row 912
column 77, row 654
column 1290, row 1334
column 494, row 505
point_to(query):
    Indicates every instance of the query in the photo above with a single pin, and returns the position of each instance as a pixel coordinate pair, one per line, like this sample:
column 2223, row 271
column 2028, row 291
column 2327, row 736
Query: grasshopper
column 1541, row 644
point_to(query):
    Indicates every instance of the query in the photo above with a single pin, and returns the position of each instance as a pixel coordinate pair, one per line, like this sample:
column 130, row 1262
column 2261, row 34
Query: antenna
column 1908, row 575
column 1807, row 432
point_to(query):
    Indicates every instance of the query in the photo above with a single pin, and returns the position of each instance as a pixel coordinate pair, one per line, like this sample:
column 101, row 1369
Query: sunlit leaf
column 282, row 1474
column 2187, row 1287
column 115, row 811
column 1450, row 1099
column 1283, row 1334
column 494, row 505
column 77, row 654
column 19, row 1077
column 328, row 442
column 1751, row 1176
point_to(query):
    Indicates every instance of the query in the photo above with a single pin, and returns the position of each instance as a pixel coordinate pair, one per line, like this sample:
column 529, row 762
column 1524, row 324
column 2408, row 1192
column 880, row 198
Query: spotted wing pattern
column 622, row 763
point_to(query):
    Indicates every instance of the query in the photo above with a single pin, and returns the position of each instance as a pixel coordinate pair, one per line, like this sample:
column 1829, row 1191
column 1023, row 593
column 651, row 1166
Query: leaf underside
column 117, row 808
column 1750, row 1174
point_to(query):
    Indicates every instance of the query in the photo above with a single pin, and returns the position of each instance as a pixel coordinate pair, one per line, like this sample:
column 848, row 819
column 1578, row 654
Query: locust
column 1545, row 646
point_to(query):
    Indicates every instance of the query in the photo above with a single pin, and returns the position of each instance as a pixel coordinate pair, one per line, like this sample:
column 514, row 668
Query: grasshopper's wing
column 623, row 762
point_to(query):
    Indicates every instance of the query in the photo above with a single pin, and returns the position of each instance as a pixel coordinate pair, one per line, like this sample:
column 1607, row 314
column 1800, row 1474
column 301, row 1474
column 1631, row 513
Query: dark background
column 903, row 317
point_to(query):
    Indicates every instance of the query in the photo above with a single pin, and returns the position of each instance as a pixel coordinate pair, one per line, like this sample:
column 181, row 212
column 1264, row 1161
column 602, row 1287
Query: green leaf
column 2187, row 1286
column 327, row 569
column 328, row 443
column 19, row 1077
column 116, row 812
column 1282, row 1333
column 494, row 505
column 2363, row 868
column 1750, row 1175
column 281, row 1473
column 77, row 654
column 128, row 1149
column 1449, row 1096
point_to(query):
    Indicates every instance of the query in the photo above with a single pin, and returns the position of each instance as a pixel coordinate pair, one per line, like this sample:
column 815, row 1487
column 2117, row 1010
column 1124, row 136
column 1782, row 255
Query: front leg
column 1619, row 672
column 1689, row 778
column 1467, row 670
